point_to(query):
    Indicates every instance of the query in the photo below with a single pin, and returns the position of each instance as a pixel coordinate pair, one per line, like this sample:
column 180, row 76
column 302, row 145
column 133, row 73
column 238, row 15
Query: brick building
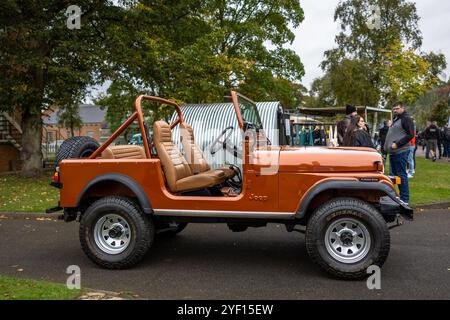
column 10, row 142
column 93, row 125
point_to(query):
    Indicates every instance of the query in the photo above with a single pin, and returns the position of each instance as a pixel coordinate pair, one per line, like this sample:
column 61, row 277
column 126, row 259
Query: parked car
column 338, row 197
column 136, row 139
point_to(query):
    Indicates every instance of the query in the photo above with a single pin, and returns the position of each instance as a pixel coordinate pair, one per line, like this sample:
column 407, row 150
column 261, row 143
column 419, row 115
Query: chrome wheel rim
column 112, row 234
column 347, row 240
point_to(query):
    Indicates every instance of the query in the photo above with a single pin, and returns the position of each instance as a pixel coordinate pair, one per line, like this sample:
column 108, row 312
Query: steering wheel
column 236, row 181
column 220, row 141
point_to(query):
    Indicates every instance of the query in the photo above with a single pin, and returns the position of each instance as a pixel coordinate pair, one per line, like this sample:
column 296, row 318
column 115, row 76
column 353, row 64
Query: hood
column 319, row 159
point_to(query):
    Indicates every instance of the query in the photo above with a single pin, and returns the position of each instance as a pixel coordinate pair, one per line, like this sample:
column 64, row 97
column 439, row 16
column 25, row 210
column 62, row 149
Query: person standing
column 446, row 141
column 350, row 112
column 439, row 140
column 357, row 135
column 411, row 155
column 432, row 136
column 382, row 136
column 397, row 146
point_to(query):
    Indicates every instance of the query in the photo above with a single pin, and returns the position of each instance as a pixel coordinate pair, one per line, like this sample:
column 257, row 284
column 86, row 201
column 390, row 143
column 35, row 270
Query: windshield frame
column 237, row 98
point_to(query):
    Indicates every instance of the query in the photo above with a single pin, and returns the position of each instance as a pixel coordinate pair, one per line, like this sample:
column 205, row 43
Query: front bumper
column 390, row 207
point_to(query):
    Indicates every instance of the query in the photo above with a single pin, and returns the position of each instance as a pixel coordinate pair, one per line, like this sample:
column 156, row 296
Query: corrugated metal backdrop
column 209, row 120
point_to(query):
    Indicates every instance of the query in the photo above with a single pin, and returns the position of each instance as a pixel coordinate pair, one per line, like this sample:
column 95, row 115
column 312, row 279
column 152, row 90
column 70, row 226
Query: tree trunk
column 31, row 153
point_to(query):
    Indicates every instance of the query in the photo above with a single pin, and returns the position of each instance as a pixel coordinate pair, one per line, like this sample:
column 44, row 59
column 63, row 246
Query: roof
column 332, row 111
column 89, row 114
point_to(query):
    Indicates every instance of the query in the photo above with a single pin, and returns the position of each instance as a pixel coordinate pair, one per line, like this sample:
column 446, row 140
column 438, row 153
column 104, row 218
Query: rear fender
column 127, row 181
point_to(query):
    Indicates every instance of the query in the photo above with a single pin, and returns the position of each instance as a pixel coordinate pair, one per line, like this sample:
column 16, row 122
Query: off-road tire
column 171, row 232
column 142, row 232
column 76, row 147
column 356, row 209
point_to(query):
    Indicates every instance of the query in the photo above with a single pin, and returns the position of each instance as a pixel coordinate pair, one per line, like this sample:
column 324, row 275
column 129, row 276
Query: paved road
column 211, row 262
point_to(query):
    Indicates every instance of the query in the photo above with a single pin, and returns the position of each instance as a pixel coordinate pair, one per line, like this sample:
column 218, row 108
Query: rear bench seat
column 124, row 152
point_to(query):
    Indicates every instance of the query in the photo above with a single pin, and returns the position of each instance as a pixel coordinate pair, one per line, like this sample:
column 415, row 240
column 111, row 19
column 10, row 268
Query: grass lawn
column 27, row 194
column 431, row 184
column 24, row 289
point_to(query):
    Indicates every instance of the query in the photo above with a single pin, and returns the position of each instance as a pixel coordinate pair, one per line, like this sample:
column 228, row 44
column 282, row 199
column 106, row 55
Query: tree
column 346, row 82
column 197, row 50
column 321, row 93
column 44, row 63
column 366, row 43
column 434, row 105
column 120, row 98
column 440, row 112
column 405, row 75
column 68, row 117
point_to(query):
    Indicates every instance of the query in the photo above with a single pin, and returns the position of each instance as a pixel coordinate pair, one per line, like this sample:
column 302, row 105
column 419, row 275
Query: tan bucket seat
column 177, row 171
column 194, row 154
column 124, row 152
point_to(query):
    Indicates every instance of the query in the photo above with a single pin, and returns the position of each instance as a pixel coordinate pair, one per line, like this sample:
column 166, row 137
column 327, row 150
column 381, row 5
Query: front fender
column 395, row 206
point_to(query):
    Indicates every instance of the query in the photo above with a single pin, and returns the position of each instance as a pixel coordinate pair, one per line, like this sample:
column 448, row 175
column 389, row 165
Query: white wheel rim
column 347, row 240
column 112, row 234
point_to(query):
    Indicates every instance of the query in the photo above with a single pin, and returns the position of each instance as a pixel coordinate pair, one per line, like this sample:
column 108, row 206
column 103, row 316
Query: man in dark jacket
column 446, row 141
column 342, row 125
column 432, row 137
column 383, row 133
column 397, row 146
column 382, row 136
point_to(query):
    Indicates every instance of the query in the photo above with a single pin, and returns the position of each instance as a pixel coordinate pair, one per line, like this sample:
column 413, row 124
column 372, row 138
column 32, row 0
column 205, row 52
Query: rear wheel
column 345, row 236
column 115, row 233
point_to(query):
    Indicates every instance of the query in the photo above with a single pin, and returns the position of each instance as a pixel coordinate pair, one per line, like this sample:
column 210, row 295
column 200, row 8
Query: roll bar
column 139, row 115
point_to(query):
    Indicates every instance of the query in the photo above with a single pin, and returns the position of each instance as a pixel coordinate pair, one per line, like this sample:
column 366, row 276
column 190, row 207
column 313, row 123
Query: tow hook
column 398, row 222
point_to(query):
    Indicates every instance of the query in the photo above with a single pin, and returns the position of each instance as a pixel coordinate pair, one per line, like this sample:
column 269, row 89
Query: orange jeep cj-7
column 124, row 195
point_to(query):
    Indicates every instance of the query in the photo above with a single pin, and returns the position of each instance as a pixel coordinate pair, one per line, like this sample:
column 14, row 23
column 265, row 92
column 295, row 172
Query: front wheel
column 345, row 236
column 115, row 233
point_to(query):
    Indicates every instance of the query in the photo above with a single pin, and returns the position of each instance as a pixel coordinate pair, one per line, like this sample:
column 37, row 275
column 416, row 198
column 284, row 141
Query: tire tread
column 339, row 204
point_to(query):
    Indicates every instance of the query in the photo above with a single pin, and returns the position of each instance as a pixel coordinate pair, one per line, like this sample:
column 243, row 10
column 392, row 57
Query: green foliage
column 405, row 75
column 321, row 93
column 372, row 66
column 440, row 112
column 191, row 50
column 346, row 82
column 195, row 51
column 433, row 105
column 43, row 63
column 68, row 117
